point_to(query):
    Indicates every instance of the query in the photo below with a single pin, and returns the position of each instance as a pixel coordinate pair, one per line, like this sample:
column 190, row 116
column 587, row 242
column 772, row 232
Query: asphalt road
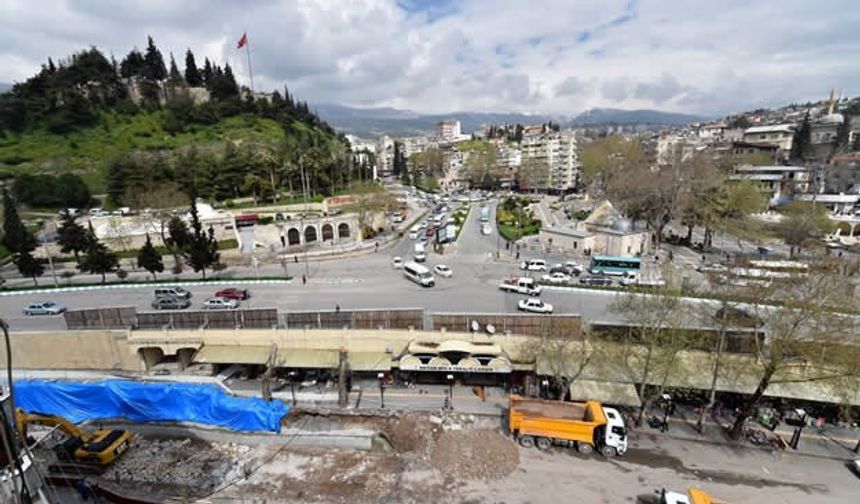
column 366, row 281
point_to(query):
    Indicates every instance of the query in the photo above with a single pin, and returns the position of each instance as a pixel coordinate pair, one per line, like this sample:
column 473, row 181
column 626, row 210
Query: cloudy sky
column 547, row 56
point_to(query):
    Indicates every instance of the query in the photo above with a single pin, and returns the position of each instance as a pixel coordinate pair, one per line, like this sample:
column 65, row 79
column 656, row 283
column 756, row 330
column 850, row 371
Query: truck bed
column 551, row 409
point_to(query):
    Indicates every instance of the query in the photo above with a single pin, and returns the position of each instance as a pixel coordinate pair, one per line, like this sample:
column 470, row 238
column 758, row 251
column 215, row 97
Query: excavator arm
column 101, row 447
column 72, row 430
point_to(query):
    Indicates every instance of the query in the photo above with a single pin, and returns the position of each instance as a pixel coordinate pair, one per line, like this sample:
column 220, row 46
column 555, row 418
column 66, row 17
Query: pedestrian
column 376, row 247
column 337, row 308
column 518, row 254
column 304, row 280
column 671, row 256
column 296, row 259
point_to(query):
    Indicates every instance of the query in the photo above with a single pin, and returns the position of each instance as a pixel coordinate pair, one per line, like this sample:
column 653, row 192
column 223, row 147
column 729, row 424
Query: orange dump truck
column 693, row 496
column 585, row 426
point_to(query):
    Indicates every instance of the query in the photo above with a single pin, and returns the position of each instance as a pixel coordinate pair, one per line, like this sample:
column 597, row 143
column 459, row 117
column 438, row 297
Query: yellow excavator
column 101, row 448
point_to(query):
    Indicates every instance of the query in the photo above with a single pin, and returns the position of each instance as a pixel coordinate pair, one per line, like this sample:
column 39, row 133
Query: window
column 619, row 431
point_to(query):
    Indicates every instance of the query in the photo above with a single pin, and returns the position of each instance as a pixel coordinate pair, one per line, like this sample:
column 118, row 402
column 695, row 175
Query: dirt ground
column 463, row 459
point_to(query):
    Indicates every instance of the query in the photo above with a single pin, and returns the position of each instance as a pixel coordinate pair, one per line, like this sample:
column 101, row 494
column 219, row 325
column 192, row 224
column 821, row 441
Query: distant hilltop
column 372, row 122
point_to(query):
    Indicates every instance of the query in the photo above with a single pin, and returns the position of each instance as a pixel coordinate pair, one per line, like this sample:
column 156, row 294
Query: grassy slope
column 87, row 151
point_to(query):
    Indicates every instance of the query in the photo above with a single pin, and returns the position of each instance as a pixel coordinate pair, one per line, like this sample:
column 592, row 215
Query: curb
column 140, row 285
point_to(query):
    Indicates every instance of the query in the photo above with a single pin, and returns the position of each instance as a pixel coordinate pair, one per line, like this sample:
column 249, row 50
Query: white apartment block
column 559, row 152
column 448, row 131
column 779, row 135
column 415, row 145
column 384, row 156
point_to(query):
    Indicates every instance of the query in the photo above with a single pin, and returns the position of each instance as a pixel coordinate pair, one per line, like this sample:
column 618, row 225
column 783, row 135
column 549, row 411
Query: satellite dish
column 491, row 329
column 475, row 326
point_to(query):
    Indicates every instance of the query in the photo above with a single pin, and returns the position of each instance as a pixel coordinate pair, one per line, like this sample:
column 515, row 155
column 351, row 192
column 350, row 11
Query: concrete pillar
column 184, row 356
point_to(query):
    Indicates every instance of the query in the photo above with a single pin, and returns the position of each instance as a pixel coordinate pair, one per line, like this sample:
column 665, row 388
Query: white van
column 172, row 292
column 419, row 274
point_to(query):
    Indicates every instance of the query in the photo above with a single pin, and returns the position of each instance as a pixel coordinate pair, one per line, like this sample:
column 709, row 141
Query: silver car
column 219, row 303
column 44, row 308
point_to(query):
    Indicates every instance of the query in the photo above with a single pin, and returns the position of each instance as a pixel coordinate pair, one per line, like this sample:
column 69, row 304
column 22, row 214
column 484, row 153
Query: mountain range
column 372, row 122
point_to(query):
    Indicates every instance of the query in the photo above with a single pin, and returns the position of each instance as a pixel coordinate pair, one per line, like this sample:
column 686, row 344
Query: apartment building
column 384, row 156
column 559, row 153
column 448, row 131
column 779, row 135
column 782, row 183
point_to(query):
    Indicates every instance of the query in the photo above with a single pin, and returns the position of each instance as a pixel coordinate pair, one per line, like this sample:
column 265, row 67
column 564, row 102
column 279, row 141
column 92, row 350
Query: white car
column 219, row 303
column 44, row 308
column 533, row 265
column 534, row 305
column 577, row 269
column 443, row 271
column 397, row 263
column 413, row 235
column 556, row 278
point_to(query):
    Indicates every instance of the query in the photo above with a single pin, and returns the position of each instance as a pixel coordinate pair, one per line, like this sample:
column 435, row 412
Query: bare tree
column 563, row 359
column 809, row 336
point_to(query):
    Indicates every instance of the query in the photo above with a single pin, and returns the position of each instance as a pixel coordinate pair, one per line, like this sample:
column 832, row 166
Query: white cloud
column 553, row 56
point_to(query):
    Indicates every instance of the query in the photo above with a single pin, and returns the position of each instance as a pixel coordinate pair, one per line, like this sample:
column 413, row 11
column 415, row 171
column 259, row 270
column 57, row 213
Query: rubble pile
column 181, row 463
column 474, row 454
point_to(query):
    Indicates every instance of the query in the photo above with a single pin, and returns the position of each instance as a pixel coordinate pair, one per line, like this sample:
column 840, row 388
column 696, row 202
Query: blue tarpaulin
column 141, row 402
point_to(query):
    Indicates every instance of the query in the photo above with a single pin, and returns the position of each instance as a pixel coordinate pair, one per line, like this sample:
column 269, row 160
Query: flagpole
column 248, row 54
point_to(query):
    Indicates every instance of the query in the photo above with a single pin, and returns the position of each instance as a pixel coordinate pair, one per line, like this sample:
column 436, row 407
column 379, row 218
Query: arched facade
column 311, row 234
column 343, row 230
column 327, row 232
column 293, row 237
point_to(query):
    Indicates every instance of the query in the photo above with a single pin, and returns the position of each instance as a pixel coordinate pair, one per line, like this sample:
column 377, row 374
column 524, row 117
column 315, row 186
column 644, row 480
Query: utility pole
column 50, row 261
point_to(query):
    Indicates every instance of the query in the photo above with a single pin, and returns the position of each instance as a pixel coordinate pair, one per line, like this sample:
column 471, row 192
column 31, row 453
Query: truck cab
column 616, row 431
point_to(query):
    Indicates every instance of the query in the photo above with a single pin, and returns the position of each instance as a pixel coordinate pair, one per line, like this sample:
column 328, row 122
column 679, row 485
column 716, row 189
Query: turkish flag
column 242, row 41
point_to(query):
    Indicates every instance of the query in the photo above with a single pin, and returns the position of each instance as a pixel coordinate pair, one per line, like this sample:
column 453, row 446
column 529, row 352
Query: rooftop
column 770, row 168
column 567, row 232
column 774, row 128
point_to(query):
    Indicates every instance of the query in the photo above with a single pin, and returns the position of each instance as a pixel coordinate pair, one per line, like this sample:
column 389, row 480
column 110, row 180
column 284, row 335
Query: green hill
column 87, row 151
column 133, row 128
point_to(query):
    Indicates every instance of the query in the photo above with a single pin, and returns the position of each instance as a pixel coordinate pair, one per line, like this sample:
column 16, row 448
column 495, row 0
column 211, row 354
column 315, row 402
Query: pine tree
column 174, row 77
column 192, row 73
column 207, row 73
column 154, row 62
column 202, row 249
column 29, row 266
column 98, row 259
column 149, row 258
column 802, row 140
column 16, row 238
column 72, row 237
column 131, row 65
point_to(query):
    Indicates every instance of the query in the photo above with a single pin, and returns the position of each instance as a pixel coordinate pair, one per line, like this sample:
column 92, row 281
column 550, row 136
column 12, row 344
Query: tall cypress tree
column 154, row 62
column 202, row 249
column 802, row 140
column 207, row 73
column 149, row 259
column 29, row 266
column 99, row 260
column 16, row 238
column 173, row 76
column 71, row 236
column 192, row 73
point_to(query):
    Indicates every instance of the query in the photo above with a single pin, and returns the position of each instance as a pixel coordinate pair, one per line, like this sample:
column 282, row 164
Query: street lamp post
column 449, row 399
column 381, row 377
column 667, row 404
column 292, row 376
column 545, row 389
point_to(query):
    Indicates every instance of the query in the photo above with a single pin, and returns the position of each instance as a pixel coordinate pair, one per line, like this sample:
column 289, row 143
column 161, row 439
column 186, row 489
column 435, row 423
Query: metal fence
column 356, row 319
column 265, row 318
column 101, row 318
column 567, row 326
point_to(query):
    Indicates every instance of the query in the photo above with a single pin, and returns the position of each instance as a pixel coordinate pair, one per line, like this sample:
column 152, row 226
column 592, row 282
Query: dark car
column 595, row 280
column 233, row 293
column 170, row 303
column 430, row 231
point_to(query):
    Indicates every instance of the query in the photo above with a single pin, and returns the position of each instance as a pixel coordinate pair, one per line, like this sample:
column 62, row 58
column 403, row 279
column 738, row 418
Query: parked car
column 170, row 303
column 534, row 305
column 443, row 271
column 397, row 262
column 44, row 308
column 219, row 303
column 413, row 235
column 430, row 231
column 533, row 265
column 556, row 278
column 233, row 293
column 595, row 280
column 572, row 268
column 855, row 466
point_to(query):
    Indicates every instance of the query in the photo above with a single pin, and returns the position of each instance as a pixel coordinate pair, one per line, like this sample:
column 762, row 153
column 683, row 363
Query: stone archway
column 327, row 232
column 293, row 237
column 343, row 230
column 310, row 234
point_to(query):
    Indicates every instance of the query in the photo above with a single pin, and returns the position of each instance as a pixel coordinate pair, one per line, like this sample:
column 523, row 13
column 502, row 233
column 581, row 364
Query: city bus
column 612, row 265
